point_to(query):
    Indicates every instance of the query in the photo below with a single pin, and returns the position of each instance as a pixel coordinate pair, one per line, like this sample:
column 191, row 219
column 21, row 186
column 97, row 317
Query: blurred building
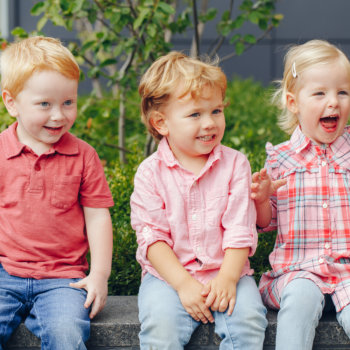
column 303, row 20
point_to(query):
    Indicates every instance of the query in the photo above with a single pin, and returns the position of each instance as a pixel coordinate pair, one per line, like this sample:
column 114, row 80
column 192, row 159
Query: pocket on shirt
column 65, row 191
column 216, row 205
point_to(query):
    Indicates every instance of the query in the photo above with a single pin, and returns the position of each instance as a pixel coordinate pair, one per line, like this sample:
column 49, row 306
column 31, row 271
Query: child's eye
column 194, row 115
column 343, row 92
column 217, row 111
column 319, row 93
column 68, row 102
column 44, row 104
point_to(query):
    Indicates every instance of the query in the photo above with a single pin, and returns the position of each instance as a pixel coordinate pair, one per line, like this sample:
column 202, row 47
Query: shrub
column 250, row 122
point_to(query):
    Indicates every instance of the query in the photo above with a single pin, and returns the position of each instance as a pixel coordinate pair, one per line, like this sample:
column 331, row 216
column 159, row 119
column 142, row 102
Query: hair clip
column 294, row 71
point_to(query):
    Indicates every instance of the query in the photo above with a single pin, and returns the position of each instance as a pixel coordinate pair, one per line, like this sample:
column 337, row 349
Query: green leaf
column 239, row 48
column 41, row 23
column 38, row 8
column 19, row 32
column 77, row 5
column 143, row 14
column 166, row 8
column 250, row 39
column 108, row 62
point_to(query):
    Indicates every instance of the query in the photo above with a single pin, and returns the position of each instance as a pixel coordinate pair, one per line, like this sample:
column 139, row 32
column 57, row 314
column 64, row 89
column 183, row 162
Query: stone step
column 117, row 328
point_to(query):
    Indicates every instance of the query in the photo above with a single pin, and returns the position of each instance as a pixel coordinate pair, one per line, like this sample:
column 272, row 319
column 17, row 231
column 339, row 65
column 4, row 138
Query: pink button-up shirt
column 197, row 216
column 312, row 215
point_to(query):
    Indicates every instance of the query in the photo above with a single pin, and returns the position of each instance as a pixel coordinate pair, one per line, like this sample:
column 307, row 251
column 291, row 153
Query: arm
column 100, row 236
column 164, row 260
column 220, row 292
column 262, row 188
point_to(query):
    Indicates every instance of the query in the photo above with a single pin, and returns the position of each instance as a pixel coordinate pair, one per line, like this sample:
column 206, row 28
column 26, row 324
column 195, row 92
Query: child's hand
column 263, row 187
column 194, row 302
column 220, row 294
column 96, row 286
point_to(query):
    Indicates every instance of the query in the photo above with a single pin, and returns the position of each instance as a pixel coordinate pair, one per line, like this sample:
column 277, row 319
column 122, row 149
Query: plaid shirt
column 312, row 215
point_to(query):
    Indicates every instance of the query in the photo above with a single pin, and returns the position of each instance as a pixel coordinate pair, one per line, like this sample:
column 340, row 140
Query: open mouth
column 206, row 138
column 329, row 122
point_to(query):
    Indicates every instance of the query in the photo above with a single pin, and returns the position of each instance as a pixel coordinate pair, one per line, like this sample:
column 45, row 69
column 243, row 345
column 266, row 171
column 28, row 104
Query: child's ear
column 157, row 120
column 291, row 103
column 9, row 102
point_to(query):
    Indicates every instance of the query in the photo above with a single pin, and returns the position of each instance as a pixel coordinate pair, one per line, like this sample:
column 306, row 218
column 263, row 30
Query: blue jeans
column 52, row 310
column 165, row 324
column 302, row 304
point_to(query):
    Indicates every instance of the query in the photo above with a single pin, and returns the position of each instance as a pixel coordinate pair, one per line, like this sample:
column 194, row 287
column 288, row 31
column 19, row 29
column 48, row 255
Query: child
column 311, row 210
column 192, row 213
column 54, row 202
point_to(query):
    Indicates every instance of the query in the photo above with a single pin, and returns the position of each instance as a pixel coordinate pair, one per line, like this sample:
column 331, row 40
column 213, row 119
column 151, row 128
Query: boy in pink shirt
column 192, row 213
column 54, row 201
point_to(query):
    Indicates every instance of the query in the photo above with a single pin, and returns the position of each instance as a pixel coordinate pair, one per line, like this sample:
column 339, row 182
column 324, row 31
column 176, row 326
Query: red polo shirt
column 42, row 227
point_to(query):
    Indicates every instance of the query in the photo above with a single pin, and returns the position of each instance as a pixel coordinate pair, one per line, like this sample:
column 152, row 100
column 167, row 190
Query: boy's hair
column 298, row 59
column 21, row 59
column 166, row 73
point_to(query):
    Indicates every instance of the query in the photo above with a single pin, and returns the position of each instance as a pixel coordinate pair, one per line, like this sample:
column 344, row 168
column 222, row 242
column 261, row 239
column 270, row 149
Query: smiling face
column 322, row 101
column 45, row 109
column 193, row 127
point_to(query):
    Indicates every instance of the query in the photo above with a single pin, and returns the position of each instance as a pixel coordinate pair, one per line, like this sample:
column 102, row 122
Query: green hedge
column 250, row 123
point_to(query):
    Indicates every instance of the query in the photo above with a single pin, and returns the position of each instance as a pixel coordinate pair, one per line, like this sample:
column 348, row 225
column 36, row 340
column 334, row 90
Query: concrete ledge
column 117, row 327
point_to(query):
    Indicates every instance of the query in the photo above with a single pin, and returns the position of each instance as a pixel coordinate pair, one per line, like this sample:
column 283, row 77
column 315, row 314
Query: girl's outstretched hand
column 263, row 187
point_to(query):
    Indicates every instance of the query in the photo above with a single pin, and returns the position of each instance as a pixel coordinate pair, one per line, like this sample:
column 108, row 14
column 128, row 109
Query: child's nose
column 333, row 101
column 208, row 122
column 57, row 114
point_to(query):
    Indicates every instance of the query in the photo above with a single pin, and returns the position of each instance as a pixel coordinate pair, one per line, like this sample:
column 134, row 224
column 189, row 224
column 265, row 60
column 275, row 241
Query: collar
column 165, row 154
column 339, row 147
column 67, row 144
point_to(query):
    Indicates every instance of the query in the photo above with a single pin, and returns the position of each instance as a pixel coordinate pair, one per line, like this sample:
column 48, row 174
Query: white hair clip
column 294, row 71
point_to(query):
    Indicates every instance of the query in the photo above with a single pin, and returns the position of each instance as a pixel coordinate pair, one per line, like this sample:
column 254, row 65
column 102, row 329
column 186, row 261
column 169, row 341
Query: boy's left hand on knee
column 96, row 286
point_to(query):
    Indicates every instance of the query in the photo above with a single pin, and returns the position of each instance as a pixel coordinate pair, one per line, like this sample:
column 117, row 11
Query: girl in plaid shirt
column 304, row 192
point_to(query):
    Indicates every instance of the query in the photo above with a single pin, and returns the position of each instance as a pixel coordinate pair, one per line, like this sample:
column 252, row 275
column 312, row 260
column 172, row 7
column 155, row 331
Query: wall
column 303, row 20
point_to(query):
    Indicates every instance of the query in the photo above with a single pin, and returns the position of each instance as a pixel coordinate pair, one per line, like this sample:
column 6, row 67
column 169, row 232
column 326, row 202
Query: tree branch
column 232, row 54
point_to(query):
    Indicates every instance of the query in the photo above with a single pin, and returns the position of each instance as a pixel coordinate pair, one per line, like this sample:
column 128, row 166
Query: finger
column 89, row 299
column 79, row 284
column 263, row 173
column 231, row 306
column 206, row 290
column 279, row 183
column 193, row 314
column 210, row 299
column 223, row 305
column 255, row 177
column 207, row 314
column 96, row 307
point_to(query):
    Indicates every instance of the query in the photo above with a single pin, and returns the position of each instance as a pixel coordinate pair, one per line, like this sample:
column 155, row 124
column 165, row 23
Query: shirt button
column 324, row 163
column 37, row 167
column 324, row 205
column 327, row 245
column 321, row 260
column 194, row 217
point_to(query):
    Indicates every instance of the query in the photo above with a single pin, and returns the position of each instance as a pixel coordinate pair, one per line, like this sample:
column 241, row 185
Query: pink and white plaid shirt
column 197, row 216
column 312, row 215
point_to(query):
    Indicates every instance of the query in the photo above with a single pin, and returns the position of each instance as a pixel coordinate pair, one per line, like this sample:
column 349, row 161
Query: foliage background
column 116, row 42
column 250, row 123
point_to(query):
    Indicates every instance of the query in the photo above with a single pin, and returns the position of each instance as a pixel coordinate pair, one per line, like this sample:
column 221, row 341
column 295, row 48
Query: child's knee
column 303, row 299
column 65, row 334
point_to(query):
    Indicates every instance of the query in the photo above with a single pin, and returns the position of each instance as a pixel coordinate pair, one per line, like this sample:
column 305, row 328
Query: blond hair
column 298, row 59
column 21, row 59
column 165, row 74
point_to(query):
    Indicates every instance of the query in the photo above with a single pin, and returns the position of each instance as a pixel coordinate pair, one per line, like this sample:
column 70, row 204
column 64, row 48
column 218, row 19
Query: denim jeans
column 51, row 309
column 302, row 304
column 165, row 324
